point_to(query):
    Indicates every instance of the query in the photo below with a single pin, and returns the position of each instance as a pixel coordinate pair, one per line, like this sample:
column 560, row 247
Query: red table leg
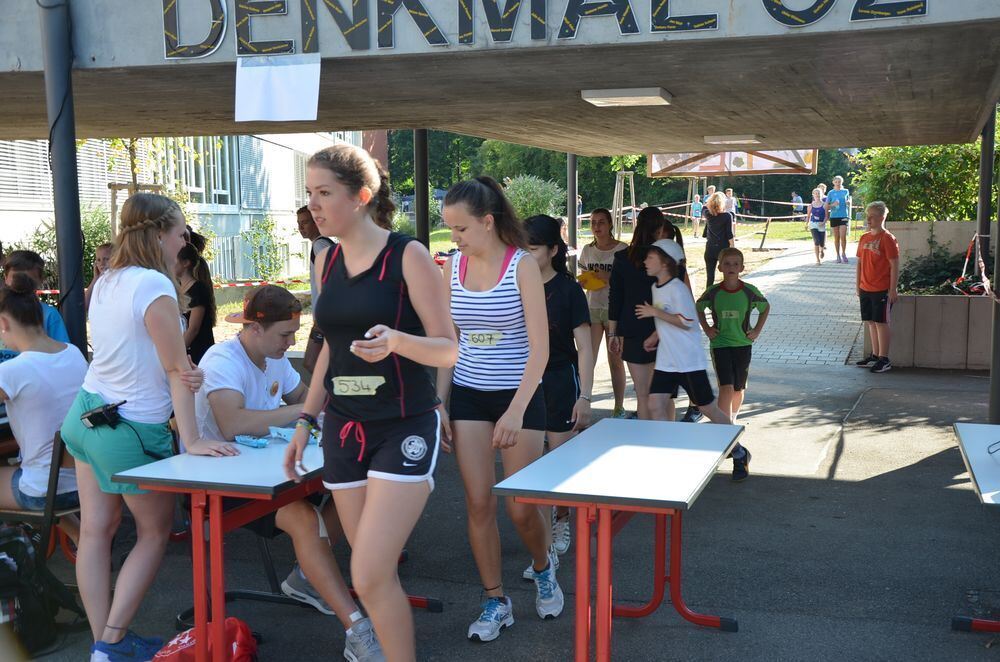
column 660, row 578
column 583, row 616
column 727, row 624
column 604, row 580
column 217, row 539
column 200, row 579
column 966, row 624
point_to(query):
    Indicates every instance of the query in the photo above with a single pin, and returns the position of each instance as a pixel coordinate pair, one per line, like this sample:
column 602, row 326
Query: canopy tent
column 755, row 162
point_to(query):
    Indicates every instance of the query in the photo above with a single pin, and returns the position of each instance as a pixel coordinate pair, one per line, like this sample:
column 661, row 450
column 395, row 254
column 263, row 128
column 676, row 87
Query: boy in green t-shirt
column 731, row 303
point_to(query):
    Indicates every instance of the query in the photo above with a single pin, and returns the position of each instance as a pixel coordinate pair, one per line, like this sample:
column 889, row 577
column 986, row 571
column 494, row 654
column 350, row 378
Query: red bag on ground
column 238, row 637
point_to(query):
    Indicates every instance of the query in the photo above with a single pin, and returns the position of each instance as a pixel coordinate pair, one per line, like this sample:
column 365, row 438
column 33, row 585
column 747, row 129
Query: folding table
column 256, row 474
column 610, row 472
column 980, row 446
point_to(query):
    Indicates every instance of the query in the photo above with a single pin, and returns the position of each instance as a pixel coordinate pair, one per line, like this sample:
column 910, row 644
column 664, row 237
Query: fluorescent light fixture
column 746, row 139
column 627, row 96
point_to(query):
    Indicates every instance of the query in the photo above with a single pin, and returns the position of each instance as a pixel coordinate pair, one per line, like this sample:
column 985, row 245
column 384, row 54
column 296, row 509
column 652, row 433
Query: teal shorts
column 111, row 450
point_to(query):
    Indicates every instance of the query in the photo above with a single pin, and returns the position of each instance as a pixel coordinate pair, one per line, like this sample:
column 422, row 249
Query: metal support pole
column 995, row 346
column 985, row 208
column 57, row 50
column 421, row 184
column 572, row 220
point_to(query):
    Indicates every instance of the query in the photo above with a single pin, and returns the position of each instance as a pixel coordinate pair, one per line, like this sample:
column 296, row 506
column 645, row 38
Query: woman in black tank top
column 384, row 316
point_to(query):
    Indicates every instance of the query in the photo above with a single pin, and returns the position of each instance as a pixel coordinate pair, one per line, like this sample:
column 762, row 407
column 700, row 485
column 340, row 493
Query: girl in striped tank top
column 498, row 306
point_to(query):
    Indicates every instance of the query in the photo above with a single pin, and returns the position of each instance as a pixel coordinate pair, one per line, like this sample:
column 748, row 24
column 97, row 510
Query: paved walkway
column 814, row 311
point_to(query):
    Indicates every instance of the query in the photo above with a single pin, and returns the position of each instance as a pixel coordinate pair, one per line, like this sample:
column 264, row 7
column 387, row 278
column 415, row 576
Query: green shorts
column 598, row 315
column 111, row 450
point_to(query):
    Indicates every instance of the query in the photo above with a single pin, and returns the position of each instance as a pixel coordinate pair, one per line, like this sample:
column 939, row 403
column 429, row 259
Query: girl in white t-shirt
column 38, row 386
column 597, row 258
column 140, row 362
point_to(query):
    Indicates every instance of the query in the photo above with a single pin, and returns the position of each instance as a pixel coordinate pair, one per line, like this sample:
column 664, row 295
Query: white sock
column 355, row 617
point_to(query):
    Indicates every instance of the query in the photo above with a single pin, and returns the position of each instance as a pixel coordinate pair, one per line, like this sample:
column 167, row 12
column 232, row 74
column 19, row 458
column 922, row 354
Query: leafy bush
column 264, row 254
column 533, row 195
column 96, row 227
column 930, row 274
column 404, row 224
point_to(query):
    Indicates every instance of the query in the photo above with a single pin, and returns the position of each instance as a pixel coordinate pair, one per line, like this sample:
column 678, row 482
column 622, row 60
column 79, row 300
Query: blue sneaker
column 132, row 648
column 497, row 614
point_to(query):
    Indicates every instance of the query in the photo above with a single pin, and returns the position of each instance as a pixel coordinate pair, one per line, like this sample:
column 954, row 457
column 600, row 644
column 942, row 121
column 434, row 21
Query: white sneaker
column 362, row 644
column 529, row 572
column 549, row 599
column 561, row 534
column 497, row 614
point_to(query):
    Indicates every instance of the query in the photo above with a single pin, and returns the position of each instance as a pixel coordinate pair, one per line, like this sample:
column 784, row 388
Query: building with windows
column 231, row 182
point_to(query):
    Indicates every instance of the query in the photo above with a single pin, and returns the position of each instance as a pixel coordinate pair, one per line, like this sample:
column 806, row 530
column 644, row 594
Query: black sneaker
column 882, row 365
column 692, row 415
column 868, row 362
column 741, row 467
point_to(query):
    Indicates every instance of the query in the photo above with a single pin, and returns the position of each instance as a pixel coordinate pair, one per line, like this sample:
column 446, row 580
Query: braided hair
column 144, row 216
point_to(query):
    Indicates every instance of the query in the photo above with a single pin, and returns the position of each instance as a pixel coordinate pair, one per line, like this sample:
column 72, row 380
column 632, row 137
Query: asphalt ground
column 857, row 536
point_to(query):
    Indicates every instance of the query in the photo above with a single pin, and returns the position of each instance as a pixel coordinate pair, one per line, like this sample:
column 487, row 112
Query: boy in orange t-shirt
column 877, row 276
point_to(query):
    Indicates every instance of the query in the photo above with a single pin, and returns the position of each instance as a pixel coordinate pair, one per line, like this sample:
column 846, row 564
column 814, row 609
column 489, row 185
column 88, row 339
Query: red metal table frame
column 610, row 519
column 221, row 522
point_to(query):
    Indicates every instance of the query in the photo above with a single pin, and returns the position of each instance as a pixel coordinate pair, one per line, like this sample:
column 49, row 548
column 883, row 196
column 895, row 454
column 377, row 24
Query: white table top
column 628, row 462
column 984, row 468
column 253, row 471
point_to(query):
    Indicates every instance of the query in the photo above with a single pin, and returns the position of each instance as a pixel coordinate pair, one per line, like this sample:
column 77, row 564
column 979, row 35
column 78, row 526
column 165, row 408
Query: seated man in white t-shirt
column 246, row 380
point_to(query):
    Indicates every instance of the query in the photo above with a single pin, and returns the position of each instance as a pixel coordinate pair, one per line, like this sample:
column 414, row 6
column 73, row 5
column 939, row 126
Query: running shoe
column 692, row 415
column 132, row 648
column 549, row 598
column 529, row 572
column 882, row 365
column 362, row 644
column 741, row 467
column 619, row 412
column 867, row 362
column 497, row 614
column 560, row 534
column 297, row 587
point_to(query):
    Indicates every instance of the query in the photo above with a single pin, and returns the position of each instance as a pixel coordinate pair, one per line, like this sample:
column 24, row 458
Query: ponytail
column 20, row 301
column 484, row 196
column 546, row 231
column 201, row 273
column 356, row 169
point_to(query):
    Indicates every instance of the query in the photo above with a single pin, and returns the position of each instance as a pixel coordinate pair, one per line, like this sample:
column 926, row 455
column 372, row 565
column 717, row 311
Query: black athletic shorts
column 632, row 351
column 470, row 404
column 562, row 390
column 695, row 384
column 875, row 307
column 399, row 449
column 838, row 222
column 732, row 366
column 819, row 237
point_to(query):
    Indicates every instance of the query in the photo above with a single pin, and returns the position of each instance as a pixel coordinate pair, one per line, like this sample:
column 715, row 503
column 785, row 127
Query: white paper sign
column 277, row 88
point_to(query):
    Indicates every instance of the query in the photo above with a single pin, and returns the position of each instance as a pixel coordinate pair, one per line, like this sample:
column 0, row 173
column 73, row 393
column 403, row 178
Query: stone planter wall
column 940, row 331
column 953, row 235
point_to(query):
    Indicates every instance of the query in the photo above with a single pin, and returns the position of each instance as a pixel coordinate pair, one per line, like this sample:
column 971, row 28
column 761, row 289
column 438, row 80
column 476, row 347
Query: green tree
column 531, row 195
column 96, row 231
column 263, row 242
column 922, row 183
column 451, row 158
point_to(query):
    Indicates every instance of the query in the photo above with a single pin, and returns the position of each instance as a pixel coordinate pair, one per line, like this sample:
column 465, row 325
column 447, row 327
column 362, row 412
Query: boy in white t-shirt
column 247, row 379
column 680, row 358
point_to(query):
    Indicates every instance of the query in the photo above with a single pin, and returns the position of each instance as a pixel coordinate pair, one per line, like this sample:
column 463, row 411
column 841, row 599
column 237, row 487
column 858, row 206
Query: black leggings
column 711, row 262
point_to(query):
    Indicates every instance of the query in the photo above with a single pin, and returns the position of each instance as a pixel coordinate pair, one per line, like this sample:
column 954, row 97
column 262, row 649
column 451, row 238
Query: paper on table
column 277, row 88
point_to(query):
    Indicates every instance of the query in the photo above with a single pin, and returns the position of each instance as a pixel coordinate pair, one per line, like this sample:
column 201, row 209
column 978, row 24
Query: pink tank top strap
column 463, row 264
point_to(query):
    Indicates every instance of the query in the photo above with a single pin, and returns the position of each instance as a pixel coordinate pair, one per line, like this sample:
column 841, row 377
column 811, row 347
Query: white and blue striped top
column 492, row 337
